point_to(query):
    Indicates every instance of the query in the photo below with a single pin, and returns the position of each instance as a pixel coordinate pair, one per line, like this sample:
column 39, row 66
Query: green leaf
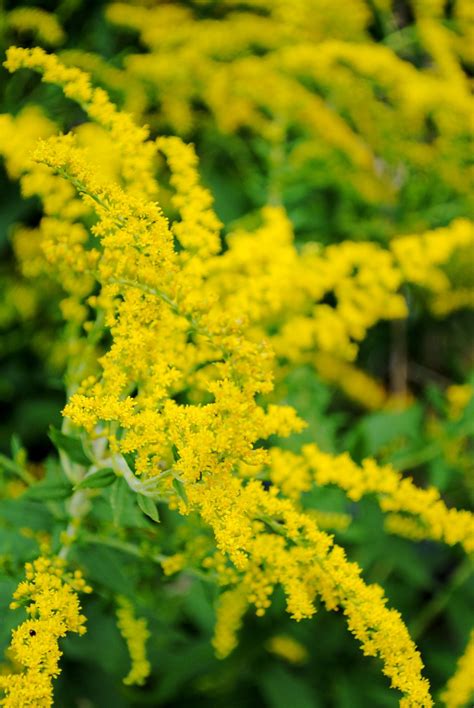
column 108, row 507
column 48, row 490
column 148, row 507
column 102, row 477
column 71, row 445
column 384, row 428
column 15, row 511
column 180, row 490
column 118, row 501
column 53, row 486
column 106, row 567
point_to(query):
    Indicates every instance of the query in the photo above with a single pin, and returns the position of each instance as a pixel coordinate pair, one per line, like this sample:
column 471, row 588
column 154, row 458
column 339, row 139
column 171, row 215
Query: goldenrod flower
column 49, row 595
column 460, row 687
column 135, row 632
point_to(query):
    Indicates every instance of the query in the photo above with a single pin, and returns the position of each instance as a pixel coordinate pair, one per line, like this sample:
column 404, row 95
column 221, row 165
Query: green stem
column 78, row 505
column 120, row 546
column 133, row 550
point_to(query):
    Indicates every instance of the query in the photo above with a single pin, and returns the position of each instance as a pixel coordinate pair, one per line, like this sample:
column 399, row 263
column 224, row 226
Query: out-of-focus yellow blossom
column 443, row 304
column 34, row 20
column 355, row 383
column 135, row 632
column 18, row 135
column 331, row 520
column 173, row 564
column 405, row 526
column 287, row 648
column 49, row 595
column 20, row 302
column 394, row 494
column 355, row 105
column 358, row 385
column 460, row 687
column 420, row 256
column 134, row 94
column 458, row 396
column 230, row 610
column 14, row 488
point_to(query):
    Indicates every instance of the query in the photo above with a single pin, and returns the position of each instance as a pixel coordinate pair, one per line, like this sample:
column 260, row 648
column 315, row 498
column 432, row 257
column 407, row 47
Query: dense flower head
column 50, row 597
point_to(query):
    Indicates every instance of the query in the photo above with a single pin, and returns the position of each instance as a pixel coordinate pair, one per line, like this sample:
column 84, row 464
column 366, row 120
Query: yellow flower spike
column 294, row 553
column 198, row 230
column 394, row 494
column 130, row 140
column 406, row 527
column 49, row 595
column 231, row 608
column 460, row 687
column 35, row 20
column 135, row 632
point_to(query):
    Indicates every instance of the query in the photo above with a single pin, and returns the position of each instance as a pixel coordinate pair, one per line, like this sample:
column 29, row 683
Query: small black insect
column 32, row 633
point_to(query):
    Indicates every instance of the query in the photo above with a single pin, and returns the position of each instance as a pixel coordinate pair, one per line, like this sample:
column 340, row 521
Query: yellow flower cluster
column 460, row 687
column 287, row 648
column 49, row 595
column 405, row 526
column 129, row 139
column 261, row 279
column 44, row 25
column 458, row 397
column 173, row 564
column 198, row 229
column 357, row 106
column 332, row 520
column 394, row 494
column 135, row 632
column 265, row 278
column 230, row 610
column 355, row 383
column 188, row 341
column 420, row 256
column 271, row 543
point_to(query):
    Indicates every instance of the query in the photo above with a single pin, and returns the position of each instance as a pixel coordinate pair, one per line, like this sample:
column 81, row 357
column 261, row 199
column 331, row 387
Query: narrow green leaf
column 180, row 490
column 71, row 445
column 118, row 501
column 48, row 490
column 98, row 478
column 148, row 507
